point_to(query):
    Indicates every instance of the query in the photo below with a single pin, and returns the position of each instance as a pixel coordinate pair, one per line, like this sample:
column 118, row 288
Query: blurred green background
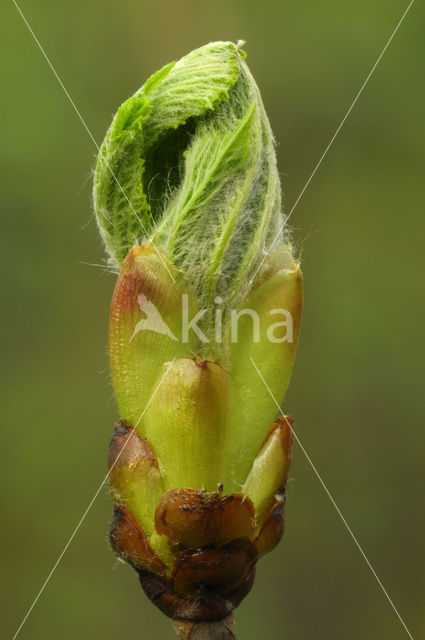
column 357, row 390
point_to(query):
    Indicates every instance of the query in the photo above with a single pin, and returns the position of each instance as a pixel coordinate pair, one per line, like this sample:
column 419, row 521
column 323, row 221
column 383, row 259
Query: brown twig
column 222, row 630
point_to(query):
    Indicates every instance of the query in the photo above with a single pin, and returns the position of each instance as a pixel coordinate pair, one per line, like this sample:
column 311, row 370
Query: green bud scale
column 187, row 199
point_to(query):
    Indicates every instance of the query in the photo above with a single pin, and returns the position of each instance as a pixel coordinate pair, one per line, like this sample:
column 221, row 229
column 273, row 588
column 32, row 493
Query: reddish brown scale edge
column 271, row 531
column 197, row 519
column 136, row 278
column 130, row 543
column 204, row 605
column 127, row 448
column 284, row 425
column 220, row 568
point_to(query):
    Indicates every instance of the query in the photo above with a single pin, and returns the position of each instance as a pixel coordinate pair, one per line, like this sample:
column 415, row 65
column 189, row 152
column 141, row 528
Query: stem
column 222, row 630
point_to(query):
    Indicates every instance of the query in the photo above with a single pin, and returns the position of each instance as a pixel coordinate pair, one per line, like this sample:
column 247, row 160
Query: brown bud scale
column 213, row 539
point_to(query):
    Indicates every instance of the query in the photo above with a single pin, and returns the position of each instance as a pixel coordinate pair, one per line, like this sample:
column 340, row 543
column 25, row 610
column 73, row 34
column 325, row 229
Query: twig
column 222, row 630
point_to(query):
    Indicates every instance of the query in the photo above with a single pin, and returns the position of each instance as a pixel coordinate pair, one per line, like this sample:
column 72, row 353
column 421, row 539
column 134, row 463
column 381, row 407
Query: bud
column 187, row 199
column 189, row 163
